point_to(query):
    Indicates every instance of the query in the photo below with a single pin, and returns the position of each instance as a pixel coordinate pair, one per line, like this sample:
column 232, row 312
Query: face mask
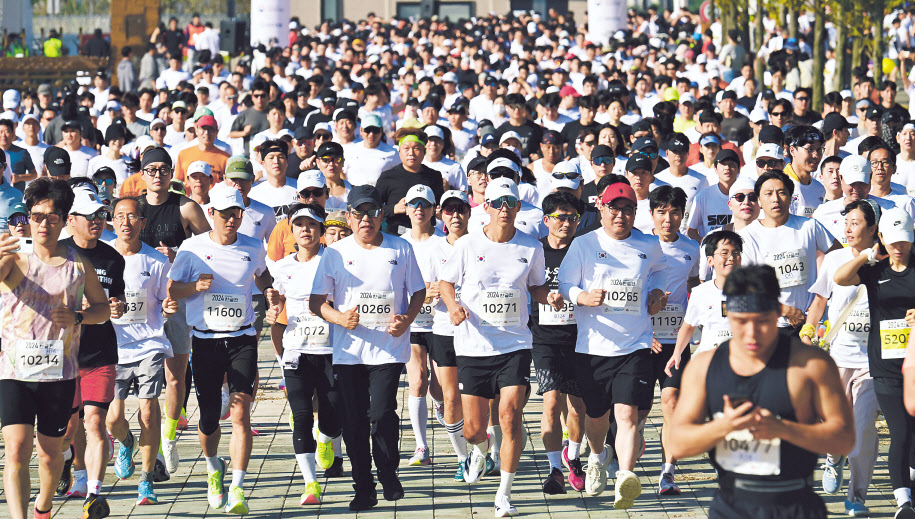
column 499, row 109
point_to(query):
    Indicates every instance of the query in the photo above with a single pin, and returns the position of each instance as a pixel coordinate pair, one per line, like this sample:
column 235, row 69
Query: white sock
column 574, row 450
column 599, row 458
column 496, row 447
column 911, row 473
column 80, row 475
column 338, row 446
column 323, row 438
column 480, row 448
column 669, row 468
column 307, row 465
column 419, row 415
column 94, row 487
column 68, row 454
column 555, row 458
column 213, row 464
column 903, row 495
column 456, row 435
column 238, row 476
column 505, row 484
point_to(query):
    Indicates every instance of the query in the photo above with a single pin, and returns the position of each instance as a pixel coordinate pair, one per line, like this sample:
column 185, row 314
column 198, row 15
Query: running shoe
column 145, row 494
column 226, row 408
column 856, row 508
column 216, row 488
column 110, row 448
column 504, row 507
column 491, row 466
column 41, row 515
column 160, row 473
column 420, row 457
column 474, row 466
column 95, row 507
column 255, row 432
column 439, row 408
column 905, row 511
column 832, row 476
column 66, row 476
column 237, row 503
column 363, row 501
column 555, row 483
column 335, row 470
column 595, row 477
column 124, row 466
column 324, row 454
column 666, row 485
column 170, row 454
column 628, row 487
column 459, row 475
column 182, row 421
column 576, row 474
column 79, row 487
column 312, row 494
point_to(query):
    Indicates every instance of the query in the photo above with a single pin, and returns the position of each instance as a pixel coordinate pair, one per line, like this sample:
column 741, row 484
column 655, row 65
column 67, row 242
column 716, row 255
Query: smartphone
column 737, row 399
column 26, row 246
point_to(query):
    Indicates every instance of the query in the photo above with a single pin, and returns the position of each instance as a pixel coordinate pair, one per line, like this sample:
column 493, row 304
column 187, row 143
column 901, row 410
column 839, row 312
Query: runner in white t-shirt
column 679, row 174
column 710, row 209
column 855, row 177
column 276, row 190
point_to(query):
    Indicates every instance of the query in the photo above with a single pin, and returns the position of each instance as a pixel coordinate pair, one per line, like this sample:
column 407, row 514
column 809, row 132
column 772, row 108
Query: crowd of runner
column 462, row 202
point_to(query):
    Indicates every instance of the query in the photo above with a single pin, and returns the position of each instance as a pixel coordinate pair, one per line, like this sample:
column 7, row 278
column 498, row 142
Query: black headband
column 752, row 303
column 156, row 155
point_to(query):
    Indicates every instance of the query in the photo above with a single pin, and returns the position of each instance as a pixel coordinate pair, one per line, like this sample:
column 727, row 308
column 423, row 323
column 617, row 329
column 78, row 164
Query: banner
column 270, row 23
column 605, row 17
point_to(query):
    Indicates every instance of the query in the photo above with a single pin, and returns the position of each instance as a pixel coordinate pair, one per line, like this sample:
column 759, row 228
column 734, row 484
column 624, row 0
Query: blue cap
column 710, row 139
column 428, row 104
column 487, row 139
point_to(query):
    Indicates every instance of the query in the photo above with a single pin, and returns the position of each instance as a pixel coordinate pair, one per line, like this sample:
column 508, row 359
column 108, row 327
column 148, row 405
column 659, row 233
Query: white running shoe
column 628, row 487
column 595, row 477
column 473, row 467
column 504, row 507
column 170, row 453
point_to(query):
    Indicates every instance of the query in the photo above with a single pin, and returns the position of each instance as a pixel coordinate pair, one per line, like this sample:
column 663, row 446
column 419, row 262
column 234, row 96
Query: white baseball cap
column 759, row 115
column 501, row 187
column 895, row 226
column 223, row 197
column 565, row 181
column 11, row 99
column 509, row 135
column 85, row 200
column 742, row 184
column 199, row 166
column 503, row 162
column 434, row 131
column 420, row 191
column 855, row 168
column 311, row 178
column 449, row 77
column 113, row 105
column 770, row 150
column 454, row 193
column 156, row 122
column 687, row 97
column 306, row 211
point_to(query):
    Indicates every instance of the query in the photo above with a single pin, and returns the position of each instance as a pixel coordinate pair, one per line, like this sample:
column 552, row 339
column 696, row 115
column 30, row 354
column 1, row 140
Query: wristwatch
column 79, row 318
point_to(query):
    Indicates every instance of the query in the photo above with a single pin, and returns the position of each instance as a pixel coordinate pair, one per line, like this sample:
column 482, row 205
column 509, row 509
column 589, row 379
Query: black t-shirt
column 559, row 335
column 530, row 132
column 570, row 132
column 807, row 119
column 393, row 185
column 890, row 295
column 294, row 165
column 98, row 344
column 736, row 129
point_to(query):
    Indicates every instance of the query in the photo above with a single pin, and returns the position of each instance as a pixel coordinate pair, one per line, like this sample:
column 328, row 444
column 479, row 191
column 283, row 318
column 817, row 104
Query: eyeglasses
column 312, row 193
column 19, row 219
column 750, row 197
column 478, row 174
column 571, row 176
column 371, row 213
column 331, row 160
column 771, row 163
column 881, row 164
column 232, row 212
column 258, row 95
column 726, row 255
column 812, row 149
column 232, row 97
column 571, row 218
column 101, row 214
column 129, row 217
column 603, row 161
column 456, row 208
column 504, row 201
column 104, row 182
column 625, row 211
column 164, row 171
column 419, row 202
column 777, row 114
column 40, row 217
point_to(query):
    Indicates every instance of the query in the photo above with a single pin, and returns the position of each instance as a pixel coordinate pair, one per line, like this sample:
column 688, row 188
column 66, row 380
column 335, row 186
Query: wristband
column 808, row 330
column 871, row 256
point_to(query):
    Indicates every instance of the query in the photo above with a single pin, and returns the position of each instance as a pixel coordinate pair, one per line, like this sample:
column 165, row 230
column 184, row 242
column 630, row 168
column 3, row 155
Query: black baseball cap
column 303, row 133
column 771, row 134
column 725, row 155
column 874, row 113
column 330, row 149
column 57, row 160
column 729, row 94
column 643, row 143
column 601, row 150
column 638, row 161
column 366, row 194
column 677, row 142
column 835, row 121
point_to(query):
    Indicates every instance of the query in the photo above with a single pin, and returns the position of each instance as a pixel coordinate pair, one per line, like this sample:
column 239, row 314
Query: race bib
column 305, row 328
column 894, row 337
column 424, row 318
column 224, row 312
column 790, row 267
column 135, row 308
column 741, row 453
column 376, row 309
column 500, row 307
column 666, row 323
column 550, row 317
column 622, row 295
column 36, row 361
column 712, row 338
column 856, row 328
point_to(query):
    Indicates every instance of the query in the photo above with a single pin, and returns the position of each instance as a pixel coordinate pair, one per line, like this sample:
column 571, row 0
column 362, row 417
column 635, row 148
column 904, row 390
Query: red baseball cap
column 618, row 190
column 207, row 120
column 568, row 90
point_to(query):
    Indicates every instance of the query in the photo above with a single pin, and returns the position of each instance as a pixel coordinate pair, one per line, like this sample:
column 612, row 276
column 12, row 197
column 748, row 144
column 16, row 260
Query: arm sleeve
column 536, row 275
column 570, row 274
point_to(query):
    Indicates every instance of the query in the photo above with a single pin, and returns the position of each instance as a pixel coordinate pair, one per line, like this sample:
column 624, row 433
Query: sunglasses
column 329, row 160
column 101, row 214
column 19, row 219
column 571, row 176
column 258, row 95
column 750, row 197
column 771, row 163
column 52, row 218
column 312, row 193
column 372, row 130
column 603, row 161
column 233, row 212
column 419, row 202
column 504, row 201
column 777, row 114
column 372, row 213
column 456, row 209
column 651, row 155
column 323, row 136
column 802, row 99
column 571, row 218
column 105, row 181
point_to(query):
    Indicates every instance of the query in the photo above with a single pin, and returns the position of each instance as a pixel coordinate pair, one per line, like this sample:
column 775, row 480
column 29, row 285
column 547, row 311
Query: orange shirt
column 132, row 186
column 215, row 157
column 281, row 242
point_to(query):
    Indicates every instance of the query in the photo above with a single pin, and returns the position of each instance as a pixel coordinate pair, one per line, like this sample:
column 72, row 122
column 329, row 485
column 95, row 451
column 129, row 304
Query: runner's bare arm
column 193, row 215
column 908, row 380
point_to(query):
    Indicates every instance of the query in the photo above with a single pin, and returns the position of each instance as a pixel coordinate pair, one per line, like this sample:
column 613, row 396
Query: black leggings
column 212, row 361
column 313, row 373
column 902, row 449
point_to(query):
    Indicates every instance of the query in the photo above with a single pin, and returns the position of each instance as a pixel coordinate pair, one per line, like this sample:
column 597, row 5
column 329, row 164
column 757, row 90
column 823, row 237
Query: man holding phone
column 775, row 403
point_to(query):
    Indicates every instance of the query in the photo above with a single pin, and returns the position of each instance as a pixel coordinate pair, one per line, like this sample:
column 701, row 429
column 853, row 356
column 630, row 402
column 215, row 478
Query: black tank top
column 163, row 222
column 767, row 389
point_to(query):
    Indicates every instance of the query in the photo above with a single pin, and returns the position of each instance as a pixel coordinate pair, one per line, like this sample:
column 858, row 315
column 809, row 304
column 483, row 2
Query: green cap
column 239, row 168
column 201, row 112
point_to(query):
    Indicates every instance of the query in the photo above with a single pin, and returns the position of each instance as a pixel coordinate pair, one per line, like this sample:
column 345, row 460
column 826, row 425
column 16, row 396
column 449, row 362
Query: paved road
column 273, row 483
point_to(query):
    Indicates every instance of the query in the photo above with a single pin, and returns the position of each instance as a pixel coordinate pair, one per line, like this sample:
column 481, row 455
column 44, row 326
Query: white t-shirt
column 682, row 264
column 140, row 330
column 830, row 215
column 792, row 250
column 902, row 200
column 528, row 220
column 706, row 309
column 494, row 279
column 426, row 257
column 441, row 251
column 628, row 270
column 709, row 211
column 119, row 167
column 173, row 137
column 807, row 198
column 905, row 172
column 451, row 171
column 257, row 221
column 79, row 161
column 36, row 152
column 691, row 183
column 849, row 347
column 365, row 165
column 381, row 281
column 306, row 332
column 278, row 198
column 226, row 307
